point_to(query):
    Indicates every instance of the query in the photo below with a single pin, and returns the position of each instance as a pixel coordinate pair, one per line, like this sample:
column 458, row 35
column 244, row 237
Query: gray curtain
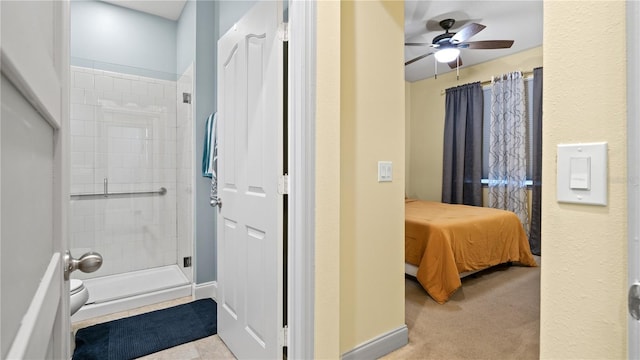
column 508, row 147
column 536, row 148
column 462, row 161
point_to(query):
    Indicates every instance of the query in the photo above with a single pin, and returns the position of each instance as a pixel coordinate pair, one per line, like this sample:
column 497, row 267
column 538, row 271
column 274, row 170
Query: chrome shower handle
column 89, row 262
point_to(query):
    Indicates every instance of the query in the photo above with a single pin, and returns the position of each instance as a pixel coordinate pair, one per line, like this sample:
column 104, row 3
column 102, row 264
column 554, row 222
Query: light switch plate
column 385, row 171
column 582, row 173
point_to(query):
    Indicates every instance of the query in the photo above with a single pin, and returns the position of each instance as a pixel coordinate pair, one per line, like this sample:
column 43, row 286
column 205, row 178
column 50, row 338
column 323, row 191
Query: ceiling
column 168, row 9
column 518, row 20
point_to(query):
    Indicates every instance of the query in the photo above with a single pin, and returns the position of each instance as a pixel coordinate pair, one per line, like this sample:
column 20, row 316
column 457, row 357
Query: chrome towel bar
column 160, row 192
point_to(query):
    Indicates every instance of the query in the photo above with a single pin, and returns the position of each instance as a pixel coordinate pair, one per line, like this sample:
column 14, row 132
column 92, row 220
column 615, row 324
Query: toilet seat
column 78, row 294
column 76, row 286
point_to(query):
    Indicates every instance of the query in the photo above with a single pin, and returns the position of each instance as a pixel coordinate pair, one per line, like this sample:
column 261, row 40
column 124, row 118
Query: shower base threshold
column 127, row 291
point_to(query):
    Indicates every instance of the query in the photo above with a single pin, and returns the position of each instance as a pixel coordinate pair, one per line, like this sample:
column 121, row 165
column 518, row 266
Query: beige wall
column 372, row 129
column 359, row 222
column 426, row 120
column 583, row 297
column 327, row 249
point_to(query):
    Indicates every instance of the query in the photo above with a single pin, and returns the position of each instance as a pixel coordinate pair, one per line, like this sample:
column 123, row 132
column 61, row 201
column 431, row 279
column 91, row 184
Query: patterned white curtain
column 508, row 146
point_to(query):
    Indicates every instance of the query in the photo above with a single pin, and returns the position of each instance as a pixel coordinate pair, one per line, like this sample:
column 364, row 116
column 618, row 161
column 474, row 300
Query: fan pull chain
column 458, row 68
column 435, row 67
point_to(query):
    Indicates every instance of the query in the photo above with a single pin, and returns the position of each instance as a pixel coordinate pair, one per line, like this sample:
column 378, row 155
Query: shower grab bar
column 160, row 192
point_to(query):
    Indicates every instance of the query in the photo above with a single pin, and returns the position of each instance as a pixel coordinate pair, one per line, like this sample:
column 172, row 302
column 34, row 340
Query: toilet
column 79, row 295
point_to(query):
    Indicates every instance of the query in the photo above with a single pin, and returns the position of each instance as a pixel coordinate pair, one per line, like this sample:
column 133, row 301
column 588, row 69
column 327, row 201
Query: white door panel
column 34, row 298
column 250, row 160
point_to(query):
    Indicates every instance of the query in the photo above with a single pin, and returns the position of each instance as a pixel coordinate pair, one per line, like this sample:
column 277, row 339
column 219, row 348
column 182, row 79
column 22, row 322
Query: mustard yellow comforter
column 443, row 240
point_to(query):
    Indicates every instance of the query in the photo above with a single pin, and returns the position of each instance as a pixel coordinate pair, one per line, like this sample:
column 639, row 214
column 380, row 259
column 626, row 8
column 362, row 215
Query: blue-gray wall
column 186, row 38
column 230, row 12
column 109, row 37
column 205, row 71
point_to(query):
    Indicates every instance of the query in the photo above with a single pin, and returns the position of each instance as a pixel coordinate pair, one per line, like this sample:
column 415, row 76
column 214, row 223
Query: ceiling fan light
column 447, row 55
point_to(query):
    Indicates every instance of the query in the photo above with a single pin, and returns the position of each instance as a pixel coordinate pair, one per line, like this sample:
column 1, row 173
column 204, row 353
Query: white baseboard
column 205, row 290
column 380, row 345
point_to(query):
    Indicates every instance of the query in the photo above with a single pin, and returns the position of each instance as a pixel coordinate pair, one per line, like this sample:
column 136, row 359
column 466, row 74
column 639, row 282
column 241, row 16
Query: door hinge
column 284, row 333
column 283, row 184
column 634, row 301
column 283, row 32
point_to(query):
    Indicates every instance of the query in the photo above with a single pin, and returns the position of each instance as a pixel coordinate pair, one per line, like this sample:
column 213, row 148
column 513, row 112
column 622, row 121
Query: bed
column 445, row 240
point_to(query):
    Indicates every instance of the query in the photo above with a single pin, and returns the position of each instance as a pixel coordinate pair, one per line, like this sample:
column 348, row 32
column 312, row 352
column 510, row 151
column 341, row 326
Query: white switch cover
column 582, row 173
column 385, row 171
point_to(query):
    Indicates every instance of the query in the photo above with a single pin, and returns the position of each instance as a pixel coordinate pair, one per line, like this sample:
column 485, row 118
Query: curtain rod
column 525, row 74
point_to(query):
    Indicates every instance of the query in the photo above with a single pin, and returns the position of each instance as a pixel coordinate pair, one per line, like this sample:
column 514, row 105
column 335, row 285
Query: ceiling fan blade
column 455, row 63
column 417, row 58
column 489, row 44
column 466, row 32
column 417, row 44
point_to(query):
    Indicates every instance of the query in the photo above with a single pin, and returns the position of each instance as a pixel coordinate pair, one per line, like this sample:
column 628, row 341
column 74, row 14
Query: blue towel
column 210, row 156
column 210, row 147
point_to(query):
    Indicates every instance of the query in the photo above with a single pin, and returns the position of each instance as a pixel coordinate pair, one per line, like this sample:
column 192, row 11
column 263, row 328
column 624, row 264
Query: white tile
column 103, row 83
column 121, row 175
column 82, row 175
column 99, row 175
column 131, row 161
column 76, row 127
column 83, row 80
column 170, row 92
column 139, row 87
column 77, row 96
column 89, row 161
column 110, row 98
column 130, row 100
column 156, row 90
column 90, row 128
column 122, row 85
column 145, row 101
column 77, row 159
column 90, row 97
column 82, row 144
column 115, row 160
column 82, row 112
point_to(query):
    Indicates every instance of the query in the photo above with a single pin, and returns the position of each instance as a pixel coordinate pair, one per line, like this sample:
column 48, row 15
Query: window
column 486, row 116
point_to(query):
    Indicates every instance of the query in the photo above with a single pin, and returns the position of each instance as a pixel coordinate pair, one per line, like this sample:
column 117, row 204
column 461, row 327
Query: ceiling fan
column 447, row 45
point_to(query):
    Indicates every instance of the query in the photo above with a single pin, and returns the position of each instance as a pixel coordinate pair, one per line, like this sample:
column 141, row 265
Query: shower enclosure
column 131, row 184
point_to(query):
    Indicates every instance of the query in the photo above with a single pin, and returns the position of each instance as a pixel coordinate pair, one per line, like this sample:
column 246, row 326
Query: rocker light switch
column 580, row 171
column 385, row 171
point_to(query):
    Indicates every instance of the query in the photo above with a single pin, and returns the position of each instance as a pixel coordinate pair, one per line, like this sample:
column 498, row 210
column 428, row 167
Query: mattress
column 445, row 240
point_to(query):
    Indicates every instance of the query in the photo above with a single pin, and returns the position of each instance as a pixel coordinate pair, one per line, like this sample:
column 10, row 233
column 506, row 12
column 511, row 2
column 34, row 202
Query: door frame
column 301, row 203
column 633, row 168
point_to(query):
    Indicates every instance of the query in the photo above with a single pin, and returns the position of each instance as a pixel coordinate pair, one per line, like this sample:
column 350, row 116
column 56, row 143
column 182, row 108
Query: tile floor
column 207, row 348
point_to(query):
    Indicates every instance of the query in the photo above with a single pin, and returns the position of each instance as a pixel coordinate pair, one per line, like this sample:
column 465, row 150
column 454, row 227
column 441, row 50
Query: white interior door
column 250, row 109
column 34, row 300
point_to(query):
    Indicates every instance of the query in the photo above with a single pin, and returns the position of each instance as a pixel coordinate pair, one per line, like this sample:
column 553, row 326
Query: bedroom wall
column 426, row 119
column 584, row 273
column 327, row 181
column 371, row 213
column 359, row 222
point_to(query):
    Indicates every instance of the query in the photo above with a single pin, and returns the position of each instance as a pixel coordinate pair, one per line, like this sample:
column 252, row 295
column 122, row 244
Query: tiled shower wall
column 123, row 132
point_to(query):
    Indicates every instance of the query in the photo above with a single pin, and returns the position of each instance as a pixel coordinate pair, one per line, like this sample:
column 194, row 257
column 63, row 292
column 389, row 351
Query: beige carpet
column 495, row 315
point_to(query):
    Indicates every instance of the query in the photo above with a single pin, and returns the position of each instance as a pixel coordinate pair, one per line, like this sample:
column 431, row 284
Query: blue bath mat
column 145, row 334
